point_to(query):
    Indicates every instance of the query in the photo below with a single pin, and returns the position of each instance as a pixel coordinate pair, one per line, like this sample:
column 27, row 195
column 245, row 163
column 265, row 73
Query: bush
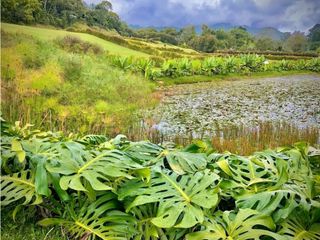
column 76, row 45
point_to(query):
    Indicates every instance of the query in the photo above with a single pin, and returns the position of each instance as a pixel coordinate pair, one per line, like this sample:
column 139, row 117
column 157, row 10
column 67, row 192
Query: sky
column 286, row 15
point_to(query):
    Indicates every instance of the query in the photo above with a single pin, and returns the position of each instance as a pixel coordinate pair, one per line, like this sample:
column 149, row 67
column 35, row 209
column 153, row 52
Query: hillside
column 52, row 34
column 68, row 83
column 113, row 44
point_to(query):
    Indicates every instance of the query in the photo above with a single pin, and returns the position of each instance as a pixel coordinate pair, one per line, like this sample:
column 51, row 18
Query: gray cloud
column 287, row 15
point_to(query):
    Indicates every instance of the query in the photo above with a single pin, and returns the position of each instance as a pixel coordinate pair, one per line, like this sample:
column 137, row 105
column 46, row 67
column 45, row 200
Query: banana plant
column 184, row 67
column 124, row 63
column 170, row 68
column 142, row 65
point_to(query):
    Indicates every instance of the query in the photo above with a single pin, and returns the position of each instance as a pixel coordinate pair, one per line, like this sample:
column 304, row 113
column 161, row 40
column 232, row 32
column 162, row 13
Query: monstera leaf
column 147, row 230
column 250, row 174
column 181, row 198
column 246, row 224
column 143, row 152
column 180, row 162
column 18, row 186
column 97, row 170
column 278, row 203
column 98, row 219
column 186, row 162
column 302, row 225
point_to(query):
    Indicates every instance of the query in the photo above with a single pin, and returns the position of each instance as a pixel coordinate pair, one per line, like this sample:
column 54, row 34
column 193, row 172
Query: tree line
column 210, row 40
column 61, row 13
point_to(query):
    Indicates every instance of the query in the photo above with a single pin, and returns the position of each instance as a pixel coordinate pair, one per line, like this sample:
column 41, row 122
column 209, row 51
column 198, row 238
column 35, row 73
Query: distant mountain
column 270, row 32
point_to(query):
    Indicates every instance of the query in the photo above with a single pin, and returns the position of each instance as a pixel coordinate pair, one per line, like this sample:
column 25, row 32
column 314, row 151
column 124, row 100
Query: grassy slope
column 64, row 90
column 158, row 44
column 51, row 34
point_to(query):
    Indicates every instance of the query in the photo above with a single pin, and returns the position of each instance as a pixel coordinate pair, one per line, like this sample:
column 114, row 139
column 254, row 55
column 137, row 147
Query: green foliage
column 27, row 11
column 62, row 13
column 100, row 218
column 246, row 224
column 76, row 45
column 210, row 66
column 116, row 189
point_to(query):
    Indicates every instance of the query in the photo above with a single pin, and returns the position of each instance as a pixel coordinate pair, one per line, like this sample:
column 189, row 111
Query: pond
column 288, row 104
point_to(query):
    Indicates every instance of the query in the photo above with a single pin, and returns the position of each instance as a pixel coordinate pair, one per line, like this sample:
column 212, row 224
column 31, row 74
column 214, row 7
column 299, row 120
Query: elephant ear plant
column 100, row 188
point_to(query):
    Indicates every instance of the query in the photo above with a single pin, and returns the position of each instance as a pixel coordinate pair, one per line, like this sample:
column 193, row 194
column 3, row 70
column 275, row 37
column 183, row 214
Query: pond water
column 203, row 109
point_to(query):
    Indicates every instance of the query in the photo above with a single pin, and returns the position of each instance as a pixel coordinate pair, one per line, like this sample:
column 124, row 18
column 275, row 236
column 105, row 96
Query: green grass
column 167, row 81
column 24, row 227
column 46, row 34
column 60, row 89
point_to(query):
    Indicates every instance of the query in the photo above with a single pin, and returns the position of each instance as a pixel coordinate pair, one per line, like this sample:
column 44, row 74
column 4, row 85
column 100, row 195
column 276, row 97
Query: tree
column 104, row 5
column 204, row 43
column 240, row 38
column 314, row 37
column 265, row 43
column 205, row 30
column 22, row 11
column 297, row 42
column 187, row 34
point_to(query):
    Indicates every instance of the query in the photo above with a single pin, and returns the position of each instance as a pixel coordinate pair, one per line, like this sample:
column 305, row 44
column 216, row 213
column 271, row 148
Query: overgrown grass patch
column 60, row 90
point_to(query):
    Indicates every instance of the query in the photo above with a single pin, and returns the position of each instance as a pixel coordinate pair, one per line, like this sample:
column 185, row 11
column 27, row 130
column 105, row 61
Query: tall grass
column 238, row 139
column 70, row 91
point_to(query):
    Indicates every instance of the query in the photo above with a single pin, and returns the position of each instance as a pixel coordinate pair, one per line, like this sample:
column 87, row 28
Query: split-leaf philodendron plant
column 97, row 188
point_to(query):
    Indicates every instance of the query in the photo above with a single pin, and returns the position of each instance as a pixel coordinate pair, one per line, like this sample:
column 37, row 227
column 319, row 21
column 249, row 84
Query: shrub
column 76, row 45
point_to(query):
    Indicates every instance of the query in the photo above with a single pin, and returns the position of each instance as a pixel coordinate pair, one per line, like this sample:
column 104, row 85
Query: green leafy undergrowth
column 98, row 188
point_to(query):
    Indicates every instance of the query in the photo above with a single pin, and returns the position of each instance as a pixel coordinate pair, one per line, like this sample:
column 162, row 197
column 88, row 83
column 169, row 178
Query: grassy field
column 51, row 34
column 57, row 85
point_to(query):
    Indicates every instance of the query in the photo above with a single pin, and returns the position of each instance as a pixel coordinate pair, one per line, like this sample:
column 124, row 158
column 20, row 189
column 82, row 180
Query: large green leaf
column 250, row 174
column 186, row 162
column 279, row 203
column 18, row 186
column 98, row 219
column 97, row 169
column 301, row 226
column 17, row 148
column 181, row 198
column 143, row 152
column 246, row 224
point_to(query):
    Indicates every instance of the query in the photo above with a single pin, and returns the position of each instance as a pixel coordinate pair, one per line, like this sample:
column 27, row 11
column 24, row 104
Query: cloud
column 287, row 15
